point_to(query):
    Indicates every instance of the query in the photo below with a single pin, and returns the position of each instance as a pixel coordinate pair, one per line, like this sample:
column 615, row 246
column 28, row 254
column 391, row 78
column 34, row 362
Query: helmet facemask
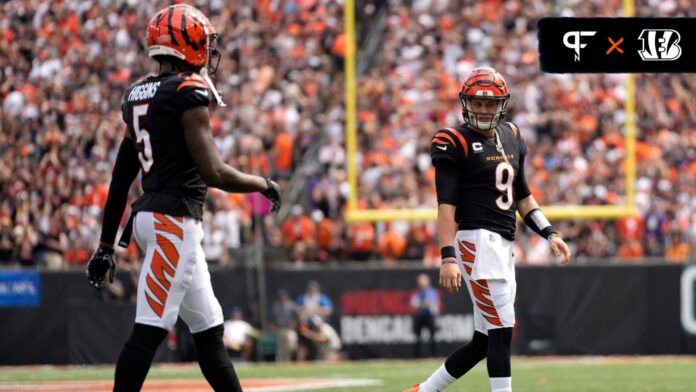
column 214, row 55
column 211, row 65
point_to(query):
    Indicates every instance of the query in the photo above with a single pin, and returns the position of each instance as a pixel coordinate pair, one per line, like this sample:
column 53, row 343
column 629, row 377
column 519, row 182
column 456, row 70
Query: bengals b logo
column 660, row 45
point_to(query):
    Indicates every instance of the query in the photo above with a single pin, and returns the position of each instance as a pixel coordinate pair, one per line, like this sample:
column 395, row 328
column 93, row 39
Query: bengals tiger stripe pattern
column 165, row 260
column 481, row 294
column 182, row 29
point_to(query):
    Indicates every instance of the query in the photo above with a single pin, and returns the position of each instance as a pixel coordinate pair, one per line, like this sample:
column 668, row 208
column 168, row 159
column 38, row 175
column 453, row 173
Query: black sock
column 467, row 356
column 214, row 361
column 136, row 357
column 499, row 341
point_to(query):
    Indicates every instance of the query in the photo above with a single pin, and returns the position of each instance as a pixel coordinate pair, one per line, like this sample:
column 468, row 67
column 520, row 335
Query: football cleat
column 414, row 388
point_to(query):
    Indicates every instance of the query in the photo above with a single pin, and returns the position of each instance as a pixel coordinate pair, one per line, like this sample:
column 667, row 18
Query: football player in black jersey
column 480, row 182
column 168, row 137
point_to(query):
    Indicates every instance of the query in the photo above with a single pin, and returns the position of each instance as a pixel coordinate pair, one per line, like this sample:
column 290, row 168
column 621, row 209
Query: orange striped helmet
column 484, row 83
column 183, row 32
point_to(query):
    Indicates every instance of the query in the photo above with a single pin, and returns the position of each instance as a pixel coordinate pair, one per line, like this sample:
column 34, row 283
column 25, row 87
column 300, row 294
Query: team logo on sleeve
column 660, row 45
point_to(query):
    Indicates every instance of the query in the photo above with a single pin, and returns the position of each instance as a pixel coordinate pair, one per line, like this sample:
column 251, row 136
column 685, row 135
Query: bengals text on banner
column 617, row 45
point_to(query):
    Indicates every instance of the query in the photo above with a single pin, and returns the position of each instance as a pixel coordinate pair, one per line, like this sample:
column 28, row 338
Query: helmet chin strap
column 499, row 146
column 478, row 123
column 204, row 73
column 498, row 142
column 218, row 99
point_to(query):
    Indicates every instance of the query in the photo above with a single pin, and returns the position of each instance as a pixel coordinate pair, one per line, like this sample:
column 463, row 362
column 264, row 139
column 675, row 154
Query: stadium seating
column 64, row 67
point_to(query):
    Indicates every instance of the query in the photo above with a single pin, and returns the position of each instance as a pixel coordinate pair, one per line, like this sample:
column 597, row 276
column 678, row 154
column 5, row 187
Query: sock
column 467, row 356
column 499, row 341
column 136, row 357
column 437, row 381
column 501, row 384
column 214, row 361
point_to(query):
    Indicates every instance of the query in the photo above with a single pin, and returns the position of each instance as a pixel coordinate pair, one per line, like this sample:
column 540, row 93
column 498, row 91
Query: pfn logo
column 662, row 45
column 576, row 45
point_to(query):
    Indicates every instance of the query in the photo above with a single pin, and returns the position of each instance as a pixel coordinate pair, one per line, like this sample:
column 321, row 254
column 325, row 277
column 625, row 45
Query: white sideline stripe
column 296, row 385
column 317, row 384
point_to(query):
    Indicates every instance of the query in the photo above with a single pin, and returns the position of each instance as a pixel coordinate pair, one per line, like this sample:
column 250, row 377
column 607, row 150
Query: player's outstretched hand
column 272, row 194
column 559, row 248
column 450, row 276
column 102, row 261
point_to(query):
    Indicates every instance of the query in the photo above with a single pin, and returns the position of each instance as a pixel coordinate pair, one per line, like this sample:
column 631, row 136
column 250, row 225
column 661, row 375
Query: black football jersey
column 487, row 185
column 152, row 109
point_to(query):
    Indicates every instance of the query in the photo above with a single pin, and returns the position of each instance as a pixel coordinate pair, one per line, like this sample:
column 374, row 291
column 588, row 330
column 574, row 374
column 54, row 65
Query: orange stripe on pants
column 466, row 255
column 156, row 307
column 170, row 252
column 158, row 267
column 163, row 223
column 160, row 294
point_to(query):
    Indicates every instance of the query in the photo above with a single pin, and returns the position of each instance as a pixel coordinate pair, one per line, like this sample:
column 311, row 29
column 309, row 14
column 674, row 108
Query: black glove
column 102, row 260
column 272, row 194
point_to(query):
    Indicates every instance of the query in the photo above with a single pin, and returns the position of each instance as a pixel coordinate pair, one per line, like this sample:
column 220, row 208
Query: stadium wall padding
column 574, row 310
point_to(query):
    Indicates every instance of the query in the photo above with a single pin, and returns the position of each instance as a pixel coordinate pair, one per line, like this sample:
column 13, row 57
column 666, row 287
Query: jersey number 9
column 504, row 176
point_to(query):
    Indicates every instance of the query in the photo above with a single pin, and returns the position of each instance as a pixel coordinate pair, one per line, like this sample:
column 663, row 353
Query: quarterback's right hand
column 102, row 261
column 450, row 276
column 272, row 194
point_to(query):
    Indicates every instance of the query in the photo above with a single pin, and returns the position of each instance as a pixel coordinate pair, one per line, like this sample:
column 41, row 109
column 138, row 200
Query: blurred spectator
column 425, row 303
column 318, row 341
column 328, row 236
column 417, row 242
column 361, row 241
column 54, row 244
column 392, row 247
column 298, row 227
column 214, row 244
column 313, row 302
column 239, row 336
column 284, row 322
column 283, row 154
column 678, row 250
column 7, row 245
column 631, row 250
column 313, row 308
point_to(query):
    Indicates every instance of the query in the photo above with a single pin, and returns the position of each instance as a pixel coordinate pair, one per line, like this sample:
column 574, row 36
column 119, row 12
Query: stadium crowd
column 65, row 64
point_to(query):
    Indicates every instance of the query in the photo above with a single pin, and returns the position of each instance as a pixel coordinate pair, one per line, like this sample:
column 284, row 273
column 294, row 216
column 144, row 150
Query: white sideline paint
column 313, row 385
column 277, row 385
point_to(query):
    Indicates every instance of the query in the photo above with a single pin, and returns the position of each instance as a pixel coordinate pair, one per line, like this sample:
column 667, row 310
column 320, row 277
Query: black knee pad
column 146, row 337
column 499, row 341
column 467, row 356
column 210, row 337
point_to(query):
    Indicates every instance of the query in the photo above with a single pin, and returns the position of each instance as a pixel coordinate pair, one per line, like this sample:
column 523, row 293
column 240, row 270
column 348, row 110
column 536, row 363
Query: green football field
column 565, row 374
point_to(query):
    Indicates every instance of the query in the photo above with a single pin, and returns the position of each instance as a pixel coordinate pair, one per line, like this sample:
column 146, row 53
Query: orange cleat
column 413, row 388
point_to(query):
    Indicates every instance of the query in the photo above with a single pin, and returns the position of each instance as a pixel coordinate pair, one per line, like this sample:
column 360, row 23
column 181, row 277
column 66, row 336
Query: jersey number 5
column 141, row 136
column 504, row 175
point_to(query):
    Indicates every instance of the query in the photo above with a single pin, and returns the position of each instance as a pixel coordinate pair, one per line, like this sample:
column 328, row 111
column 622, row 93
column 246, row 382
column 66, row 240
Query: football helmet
column 184, row 32
column 484, row 83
